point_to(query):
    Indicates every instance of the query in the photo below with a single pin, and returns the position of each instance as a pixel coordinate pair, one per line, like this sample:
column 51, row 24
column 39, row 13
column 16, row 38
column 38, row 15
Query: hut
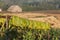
column 14, row 8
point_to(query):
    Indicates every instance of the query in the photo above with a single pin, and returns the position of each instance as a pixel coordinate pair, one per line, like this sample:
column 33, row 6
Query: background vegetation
column 31, row 4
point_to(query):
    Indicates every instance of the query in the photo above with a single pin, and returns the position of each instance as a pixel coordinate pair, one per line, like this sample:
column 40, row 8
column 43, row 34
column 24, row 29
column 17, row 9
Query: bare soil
column 55, row 13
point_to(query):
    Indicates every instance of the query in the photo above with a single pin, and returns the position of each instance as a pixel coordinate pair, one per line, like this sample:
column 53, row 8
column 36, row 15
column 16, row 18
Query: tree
column 1, row 4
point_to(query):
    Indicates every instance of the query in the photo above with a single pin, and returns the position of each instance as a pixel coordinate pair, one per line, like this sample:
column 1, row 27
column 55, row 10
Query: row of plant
column 24, row 29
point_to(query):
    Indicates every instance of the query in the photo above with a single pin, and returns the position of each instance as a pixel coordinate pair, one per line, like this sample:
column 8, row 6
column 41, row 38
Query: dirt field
column 35, row 13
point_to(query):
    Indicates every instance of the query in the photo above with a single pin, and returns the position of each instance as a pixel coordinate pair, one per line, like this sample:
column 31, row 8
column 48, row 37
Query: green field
column 23, row 29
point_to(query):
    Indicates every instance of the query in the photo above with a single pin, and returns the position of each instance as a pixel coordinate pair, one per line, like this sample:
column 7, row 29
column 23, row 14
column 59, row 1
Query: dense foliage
column 24, row 29
column 33, row 5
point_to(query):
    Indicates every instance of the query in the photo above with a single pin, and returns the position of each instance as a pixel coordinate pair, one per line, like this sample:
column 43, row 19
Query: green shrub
column 23, row 29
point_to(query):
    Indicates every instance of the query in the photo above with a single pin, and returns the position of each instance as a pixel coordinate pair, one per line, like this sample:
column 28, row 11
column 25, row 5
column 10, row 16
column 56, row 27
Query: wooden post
column 7, row 21
column 7, row 25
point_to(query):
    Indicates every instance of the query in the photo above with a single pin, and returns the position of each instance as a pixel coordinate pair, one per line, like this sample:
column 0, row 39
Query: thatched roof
column 14, row 8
